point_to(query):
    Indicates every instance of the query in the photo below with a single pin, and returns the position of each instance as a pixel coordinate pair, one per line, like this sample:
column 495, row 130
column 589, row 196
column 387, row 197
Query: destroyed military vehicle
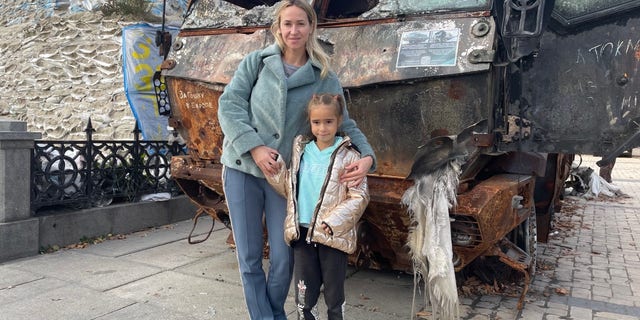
column 527, row 84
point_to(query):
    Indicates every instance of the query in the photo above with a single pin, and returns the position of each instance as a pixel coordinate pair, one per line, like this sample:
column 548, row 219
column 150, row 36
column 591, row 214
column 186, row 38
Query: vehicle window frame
column 591, row 13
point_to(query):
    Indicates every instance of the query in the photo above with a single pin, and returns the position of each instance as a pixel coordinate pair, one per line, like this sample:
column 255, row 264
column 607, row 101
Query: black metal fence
column 84, row 174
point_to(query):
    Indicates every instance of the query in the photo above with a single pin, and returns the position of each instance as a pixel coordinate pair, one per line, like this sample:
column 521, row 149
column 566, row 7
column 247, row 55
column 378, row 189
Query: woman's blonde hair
column 313, row 47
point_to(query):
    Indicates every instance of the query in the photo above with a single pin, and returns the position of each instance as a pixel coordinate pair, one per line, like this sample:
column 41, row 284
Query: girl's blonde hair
column 313, row 47
column 328, row 99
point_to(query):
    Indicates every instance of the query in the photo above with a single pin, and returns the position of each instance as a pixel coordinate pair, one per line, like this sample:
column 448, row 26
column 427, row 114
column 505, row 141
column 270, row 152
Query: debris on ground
column 491, row 277
column 585, row 182
column 423, row 315
column 83, row 243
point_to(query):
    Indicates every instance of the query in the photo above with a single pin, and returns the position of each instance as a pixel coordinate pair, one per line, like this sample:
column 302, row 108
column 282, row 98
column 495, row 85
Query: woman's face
column 294, row 27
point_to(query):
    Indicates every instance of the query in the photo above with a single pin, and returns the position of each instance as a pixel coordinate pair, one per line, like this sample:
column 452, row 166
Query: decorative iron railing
column 84, row 174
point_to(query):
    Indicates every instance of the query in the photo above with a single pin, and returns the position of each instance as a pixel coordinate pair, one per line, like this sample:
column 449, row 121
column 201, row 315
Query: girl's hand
column 356, row 171
column 327, row 229
column 265, row 158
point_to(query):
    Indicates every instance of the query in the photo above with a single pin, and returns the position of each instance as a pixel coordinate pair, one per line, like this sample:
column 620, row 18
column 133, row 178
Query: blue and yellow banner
column 141, row 59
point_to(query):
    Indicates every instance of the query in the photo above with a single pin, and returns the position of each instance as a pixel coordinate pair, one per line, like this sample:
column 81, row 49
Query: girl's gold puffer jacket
column 339, row 206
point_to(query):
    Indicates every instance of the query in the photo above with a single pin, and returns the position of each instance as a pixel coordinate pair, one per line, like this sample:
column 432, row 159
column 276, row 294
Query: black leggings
column 313, row 265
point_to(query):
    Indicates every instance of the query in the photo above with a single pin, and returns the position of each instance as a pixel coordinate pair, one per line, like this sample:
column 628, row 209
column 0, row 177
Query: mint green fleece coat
column 275, row 111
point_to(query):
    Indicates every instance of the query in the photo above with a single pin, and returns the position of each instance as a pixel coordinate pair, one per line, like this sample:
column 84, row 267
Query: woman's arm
column 233, row 106
column 358, row 139
column 356, row 172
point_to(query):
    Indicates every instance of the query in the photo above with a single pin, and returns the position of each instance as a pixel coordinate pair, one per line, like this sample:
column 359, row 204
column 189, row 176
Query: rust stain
column 196, row 106
column 456, row 91
column 489, row 205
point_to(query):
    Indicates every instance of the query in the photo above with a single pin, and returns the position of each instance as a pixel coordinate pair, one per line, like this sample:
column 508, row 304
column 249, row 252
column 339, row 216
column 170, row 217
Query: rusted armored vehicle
column 529, row 83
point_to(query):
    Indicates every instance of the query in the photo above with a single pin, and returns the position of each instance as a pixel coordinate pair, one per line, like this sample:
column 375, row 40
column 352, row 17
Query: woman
column 260, row 111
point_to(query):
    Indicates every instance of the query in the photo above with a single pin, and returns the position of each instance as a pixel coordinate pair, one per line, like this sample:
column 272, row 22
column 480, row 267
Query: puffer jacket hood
column 340, row 206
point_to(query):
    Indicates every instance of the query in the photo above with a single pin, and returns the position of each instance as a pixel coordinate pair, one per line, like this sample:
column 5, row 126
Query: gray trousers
column 249, row 198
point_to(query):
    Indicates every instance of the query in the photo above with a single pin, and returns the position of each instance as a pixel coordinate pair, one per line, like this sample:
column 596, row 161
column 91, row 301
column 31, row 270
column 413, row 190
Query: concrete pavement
column 590, row 269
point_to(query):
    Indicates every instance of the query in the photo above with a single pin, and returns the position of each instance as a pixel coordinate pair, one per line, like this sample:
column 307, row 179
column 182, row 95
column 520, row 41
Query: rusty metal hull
column 398, row 109
column 515, row 177
column 385, row 225
column 392, row 106
column 538, row 103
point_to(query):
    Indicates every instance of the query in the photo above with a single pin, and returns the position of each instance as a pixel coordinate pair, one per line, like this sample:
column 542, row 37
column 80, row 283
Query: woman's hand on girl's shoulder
column 356, row 171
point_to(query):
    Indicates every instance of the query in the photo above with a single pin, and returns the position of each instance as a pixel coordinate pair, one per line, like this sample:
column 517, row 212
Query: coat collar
column 304, row 139
column 307, row 74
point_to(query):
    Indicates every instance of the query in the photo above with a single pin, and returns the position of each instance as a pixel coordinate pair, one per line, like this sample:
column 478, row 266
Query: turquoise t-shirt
column 314, row 167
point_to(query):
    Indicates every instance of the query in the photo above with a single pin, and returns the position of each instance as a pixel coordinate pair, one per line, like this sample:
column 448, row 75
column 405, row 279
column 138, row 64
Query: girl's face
column 324, row 124
column 294, row 27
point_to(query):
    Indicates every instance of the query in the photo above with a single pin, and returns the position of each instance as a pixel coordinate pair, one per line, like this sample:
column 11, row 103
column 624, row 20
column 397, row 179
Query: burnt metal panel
column 213, row 59
column 195, row 116
column 582, row 96
column 205, row 173
column 399, row 102
column 398, row 118
column 368, row 53
column 490, row 204
column 383, row 228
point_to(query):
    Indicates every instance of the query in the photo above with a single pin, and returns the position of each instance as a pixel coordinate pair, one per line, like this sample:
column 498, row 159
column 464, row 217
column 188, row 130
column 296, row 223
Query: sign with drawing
column 428, row 48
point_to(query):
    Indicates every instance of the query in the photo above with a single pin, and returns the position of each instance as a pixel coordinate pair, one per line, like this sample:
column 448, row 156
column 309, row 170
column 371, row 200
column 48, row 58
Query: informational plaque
column 428, row 48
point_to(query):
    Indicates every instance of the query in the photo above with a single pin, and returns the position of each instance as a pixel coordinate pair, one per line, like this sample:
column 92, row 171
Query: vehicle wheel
column 532, row 242
column 526, row 238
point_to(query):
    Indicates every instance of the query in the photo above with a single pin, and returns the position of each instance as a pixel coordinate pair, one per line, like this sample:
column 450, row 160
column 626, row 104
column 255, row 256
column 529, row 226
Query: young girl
column 322, row 212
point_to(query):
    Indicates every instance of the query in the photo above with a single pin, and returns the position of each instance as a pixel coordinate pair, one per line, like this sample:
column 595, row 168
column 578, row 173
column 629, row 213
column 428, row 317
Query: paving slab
column 14, row 277
column 68, row 302
column 25, row 291
column 202, row 298
column 146, row 311
column 86, row 270
column 176, row 254
column 153, row 237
